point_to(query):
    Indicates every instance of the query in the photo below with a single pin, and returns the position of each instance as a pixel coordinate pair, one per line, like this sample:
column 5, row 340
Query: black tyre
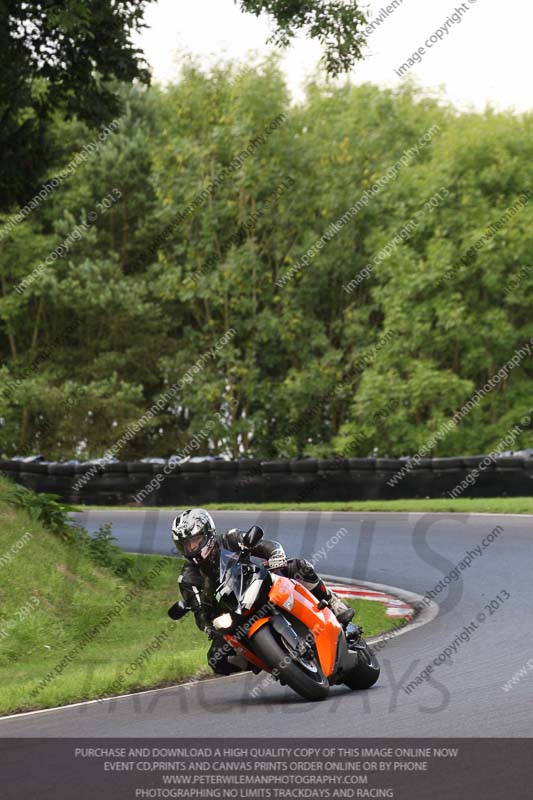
column 366, row 673
column 310, row 683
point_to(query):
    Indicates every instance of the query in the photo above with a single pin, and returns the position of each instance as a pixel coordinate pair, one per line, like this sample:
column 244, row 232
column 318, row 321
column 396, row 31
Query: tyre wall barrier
column 296, row 480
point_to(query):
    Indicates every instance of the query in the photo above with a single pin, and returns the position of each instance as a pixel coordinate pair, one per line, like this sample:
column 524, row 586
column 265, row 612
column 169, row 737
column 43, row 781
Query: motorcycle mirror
column 253, row 536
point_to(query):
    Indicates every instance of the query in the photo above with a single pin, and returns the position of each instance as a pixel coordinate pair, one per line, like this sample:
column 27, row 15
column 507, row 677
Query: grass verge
column 56, row 646
column 495, row 505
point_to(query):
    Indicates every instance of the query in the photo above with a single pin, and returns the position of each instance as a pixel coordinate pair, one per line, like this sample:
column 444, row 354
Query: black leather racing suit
column 198, row 584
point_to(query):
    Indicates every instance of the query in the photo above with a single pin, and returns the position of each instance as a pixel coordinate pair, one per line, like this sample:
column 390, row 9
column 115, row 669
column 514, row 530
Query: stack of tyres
column 83, row 487
column 304, row 473
column 185, row 484
column 34, row 476
column 168, row 482
column 248, row 486
column 447, row 473
column 10, row 469
column 59, row 480
column 111, row 487
column 280, row 484
column 505, row 475
column 225, row 481
column 141, row 487
column 363, row 480
column 417, row 481
column 296, row 481
column 333, row 480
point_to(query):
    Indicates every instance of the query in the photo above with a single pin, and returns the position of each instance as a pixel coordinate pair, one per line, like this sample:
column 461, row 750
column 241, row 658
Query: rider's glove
column 277, row 560
column 178, row 610
column 210, row 631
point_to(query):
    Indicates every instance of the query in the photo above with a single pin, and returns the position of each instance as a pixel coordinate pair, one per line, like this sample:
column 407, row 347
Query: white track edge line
column 117, row 697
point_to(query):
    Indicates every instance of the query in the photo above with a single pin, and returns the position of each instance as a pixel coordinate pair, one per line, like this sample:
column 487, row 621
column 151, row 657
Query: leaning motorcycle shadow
column 253, row 692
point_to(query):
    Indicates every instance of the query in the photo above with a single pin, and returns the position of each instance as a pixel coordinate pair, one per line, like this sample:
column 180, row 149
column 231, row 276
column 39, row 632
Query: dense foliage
column 193, row 219
column 66, row 56
column 58, row 57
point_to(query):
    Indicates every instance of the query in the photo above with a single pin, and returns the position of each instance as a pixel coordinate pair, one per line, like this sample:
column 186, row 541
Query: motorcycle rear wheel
column 311, row 686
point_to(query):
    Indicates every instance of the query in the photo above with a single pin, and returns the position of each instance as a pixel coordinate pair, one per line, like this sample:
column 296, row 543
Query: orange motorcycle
column 275, row 624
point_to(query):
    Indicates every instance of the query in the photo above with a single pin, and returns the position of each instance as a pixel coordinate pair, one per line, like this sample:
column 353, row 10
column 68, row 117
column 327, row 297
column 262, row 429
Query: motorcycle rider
column 195, row 537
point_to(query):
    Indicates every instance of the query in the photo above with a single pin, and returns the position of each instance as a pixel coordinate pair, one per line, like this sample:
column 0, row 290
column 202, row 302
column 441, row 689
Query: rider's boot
column 343, row 612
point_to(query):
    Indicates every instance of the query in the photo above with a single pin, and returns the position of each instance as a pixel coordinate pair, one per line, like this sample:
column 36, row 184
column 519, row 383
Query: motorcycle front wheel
column 305, row 678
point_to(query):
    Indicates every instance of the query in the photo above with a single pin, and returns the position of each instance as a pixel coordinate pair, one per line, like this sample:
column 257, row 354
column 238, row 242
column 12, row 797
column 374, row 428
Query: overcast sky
column 486, row 58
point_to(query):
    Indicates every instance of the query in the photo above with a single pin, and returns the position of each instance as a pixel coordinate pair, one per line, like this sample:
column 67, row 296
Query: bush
column 54, row 516
column 103, row 552
column 47, row 510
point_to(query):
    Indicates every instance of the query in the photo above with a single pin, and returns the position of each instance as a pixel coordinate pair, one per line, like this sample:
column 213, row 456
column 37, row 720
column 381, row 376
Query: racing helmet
column 194, row 534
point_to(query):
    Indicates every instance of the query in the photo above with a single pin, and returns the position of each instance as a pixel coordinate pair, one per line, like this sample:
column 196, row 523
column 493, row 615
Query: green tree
column 214, row 205
column 337, row 24
column 58, row 58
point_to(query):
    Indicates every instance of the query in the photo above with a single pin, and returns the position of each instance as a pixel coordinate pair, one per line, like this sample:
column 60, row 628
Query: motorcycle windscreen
column 230, row 588
column 243, row 584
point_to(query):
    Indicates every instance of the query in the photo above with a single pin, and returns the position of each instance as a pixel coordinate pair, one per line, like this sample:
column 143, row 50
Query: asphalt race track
column 463, row 696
